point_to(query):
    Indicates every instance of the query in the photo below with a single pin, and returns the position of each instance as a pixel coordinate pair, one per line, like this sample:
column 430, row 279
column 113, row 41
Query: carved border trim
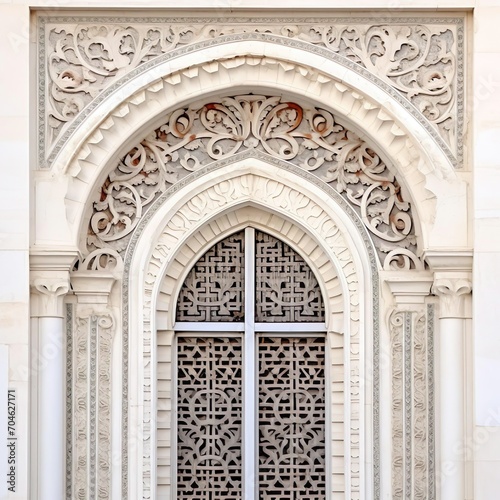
column 376, row 369
column 69, row 399
column 431, row 402
column 375, row 304
column 93, row 412
column 408, row 375
column 294, row 43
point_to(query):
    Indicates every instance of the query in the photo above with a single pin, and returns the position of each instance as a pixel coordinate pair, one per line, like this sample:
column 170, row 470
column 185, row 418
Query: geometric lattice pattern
column 292, row 418
column 213, row 289
column 286, row 288
column 209, row 416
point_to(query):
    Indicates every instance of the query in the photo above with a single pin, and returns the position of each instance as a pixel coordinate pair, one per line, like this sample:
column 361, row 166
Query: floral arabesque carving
column 309, row 137
column 418, row 60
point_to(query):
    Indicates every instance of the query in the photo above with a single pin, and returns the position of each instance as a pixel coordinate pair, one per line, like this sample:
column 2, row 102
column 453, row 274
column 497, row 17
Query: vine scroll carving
column 309, row 137
column 418, row 58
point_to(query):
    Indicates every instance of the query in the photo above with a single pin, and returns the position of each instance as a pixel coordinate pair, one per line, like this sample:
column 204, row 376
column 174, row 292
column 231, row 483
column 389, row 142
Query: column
column 49, row 286
column 452, row 288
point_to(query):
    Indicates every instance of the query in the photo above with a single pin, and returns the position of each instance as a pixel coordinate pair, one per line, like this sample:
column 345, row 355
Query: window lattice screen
column 291, row 418
column 209, row 415
column 286, row 288
column 214, row 288
column 290, row 376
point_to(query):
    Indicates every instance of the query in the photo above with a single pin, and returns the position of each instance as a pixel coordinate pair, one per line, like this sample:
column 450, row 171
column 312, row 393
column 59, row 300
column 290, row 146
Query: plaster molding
column 449, row 260
column 452, row 290
column 92, row 287
column 52, row 259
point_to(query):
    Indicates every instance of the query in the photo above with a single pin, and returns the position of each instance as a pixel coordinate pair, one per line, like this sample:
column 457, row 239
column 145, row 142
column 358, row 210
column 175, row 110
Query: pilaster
column 92, row 328
column 49, row 285
column 453, row 286
column 411, row 383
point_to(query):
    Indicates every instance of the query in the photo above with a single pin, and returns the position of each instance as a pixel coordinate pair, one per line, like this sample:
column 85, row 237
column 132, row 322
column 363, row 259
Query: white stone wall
column 14, row 236
column 18, row 143
column 485, row 442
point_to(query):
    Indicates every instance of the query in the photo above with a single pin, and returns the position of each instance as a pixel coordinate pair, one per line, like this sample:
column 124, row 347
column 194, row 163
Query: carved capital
column 92, row 287
column 452, row 292
column 409, row 288
column 50, row 293
column 49, row 279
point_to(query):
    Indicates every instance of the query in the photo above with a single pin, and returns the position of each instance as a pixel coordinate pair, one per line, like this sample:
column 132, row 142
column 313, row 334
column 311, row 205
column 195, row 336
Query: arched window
column 250, row 402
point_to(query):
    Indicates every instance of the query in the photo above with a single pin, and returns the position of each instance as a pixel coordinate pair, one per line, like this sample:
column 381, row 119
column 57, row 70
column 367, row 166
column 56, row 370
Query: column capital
column 408, row 287
column 452, row 288
column 449, row 260
column 92, row 287
column 95, row 275
column 49, row 280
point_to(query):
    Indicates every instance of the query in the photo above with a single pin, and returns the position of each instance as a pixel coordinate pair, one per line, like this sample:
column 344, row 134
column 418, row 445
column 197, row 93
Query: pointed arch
column 183, row 225
column 122, row 118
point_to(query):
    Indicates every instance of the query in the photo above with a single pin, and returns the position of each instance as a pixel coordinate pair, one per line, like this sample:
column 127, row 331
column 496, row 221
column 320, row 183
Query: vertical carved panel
column 93, row 407
column 430, row 361
column 69, row 401
column 292, row 418
column 408, row 403
column 286, row 288
column 213, row 289
column 412, row 404
column 89, row 410
column 396, row 324
column 209, row 412
column 420, row 408
column 81, row 406
column 105, row 330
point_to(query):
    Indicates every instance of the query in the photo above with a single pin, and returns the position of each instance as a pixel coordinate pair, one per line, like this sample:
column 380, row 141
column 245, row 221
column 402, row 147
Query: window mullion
column 250, row 482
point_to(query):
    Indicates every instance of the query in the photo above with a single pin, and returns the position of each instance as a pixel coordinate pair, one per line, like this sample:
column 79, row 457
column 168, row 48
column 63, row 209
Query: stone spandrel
column 421, row 59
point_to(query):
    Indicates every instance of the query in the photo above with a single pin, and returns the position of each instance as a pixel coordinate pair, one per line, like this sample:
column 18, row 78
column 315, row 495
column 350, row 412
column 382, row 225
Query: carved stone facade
column 336, row 137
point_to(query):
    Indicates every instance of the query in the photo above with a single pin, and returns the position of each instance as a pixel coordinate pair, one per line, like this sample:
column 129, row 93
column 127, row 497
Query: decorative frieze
column 421, row 59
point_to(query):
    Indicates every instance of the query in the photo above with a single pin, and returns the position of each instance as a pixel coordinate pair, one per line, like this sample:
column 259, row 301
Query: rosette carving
column 309, row 137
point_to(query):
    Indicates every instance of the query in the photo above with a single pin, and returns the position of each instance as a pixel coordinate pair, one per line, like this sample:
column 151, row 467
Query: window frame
column 249, row 331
